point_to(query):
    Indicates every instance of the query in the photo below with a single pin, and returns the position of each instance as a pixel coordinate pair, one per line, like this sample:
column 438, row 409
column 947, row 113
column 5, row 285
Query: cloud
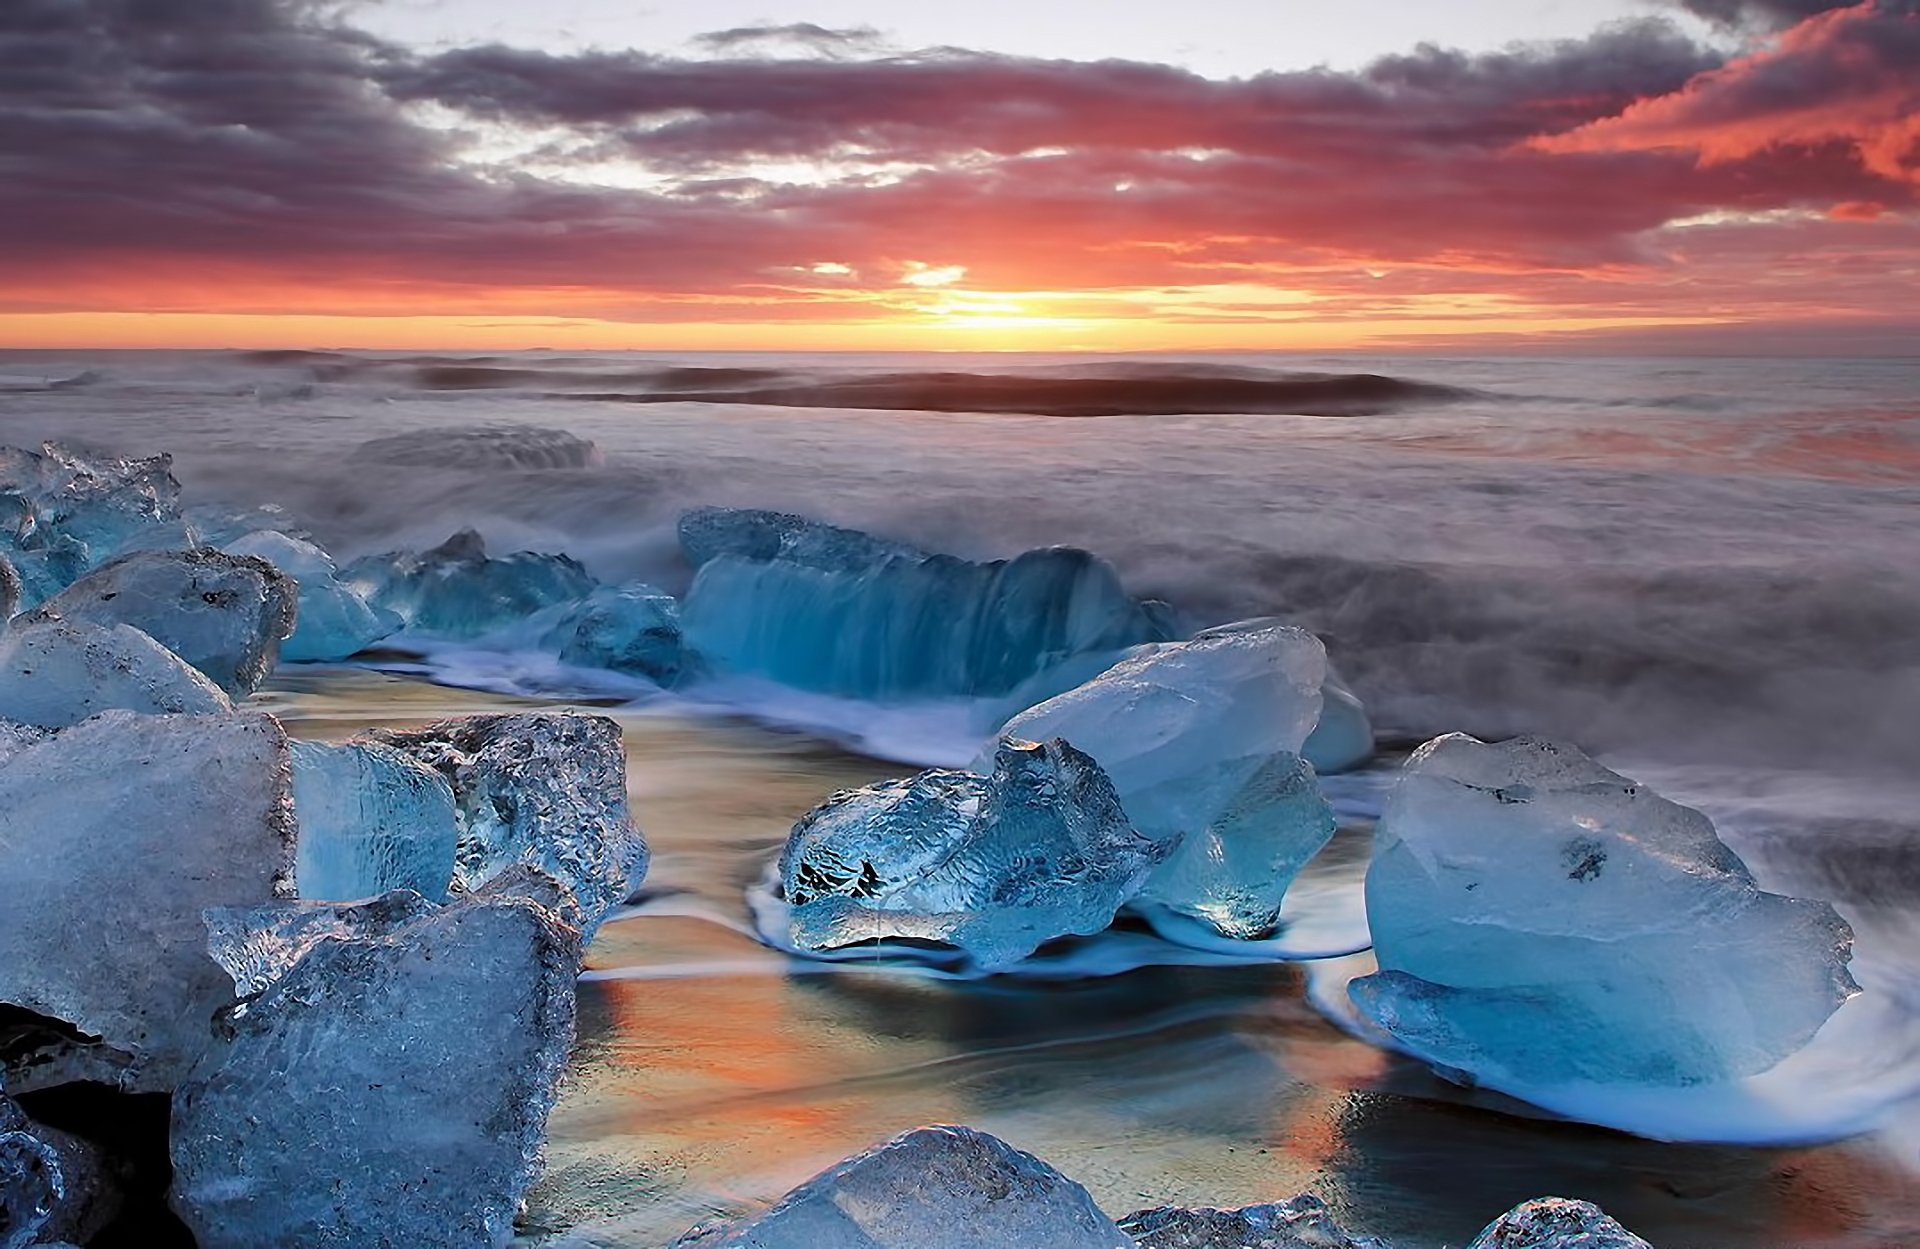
column 1757, row 14
column 820, row 40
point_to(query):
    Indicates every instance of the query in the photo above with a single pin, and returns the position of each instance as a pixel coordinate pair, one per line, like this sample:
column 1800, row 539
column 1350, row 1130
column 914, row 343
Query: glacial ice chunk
column 1343, row 738
column 543, row 788
column 841, row 612
column 931, row 1188
column 1541, row 920
column 371, row 819
column 31, row 1186
column 1556, row 1223
column 633, row 628
column 54, row 673
column 386, row 1089
column 996, row 864
column 258, row 945
column 224, row 614
column 456, row 590
column 114, row 835
column 66, row 512
column 334, row 621
column 1303, row 1222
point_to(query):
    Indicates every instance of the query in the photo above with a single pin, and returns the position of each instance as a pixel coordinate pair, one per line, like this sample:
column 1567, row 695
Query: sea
column 1703, row 571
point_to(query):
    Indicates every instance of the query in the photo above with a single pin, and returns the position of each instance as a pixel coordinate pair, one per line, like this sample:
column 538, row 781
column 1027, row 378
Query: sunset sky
column 1712, row 175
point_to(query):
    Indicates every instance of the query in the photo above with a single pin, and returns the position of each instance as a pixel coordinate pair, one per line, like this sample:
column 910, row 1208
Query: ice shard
column 224, row 614
column 1303, row 1222
column 1556, row 1223
column 65, row 512
column 54, row 673
column 115, row 835
column 995, row 865
column 633, row 628
column 931, row 1188
column 333, row 621
column 387, row 1089
column 1541, row 920
column 842, row 612
column 1202, row 741
column 371, row 819
column 456, row 590
column 547, row 789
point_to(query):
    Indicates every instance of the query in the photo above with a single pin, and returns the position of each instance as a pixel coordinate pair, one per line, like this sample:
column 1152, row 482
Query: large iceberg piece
column 386, row 1089
column 54, row 673
column 334, row 621
column 1304, row 1222
column 548, row 789
column 62, row 512
column 371, row 819
column 456, row 590
column 114, row 835
column 842, row 612
column 1556, row 1223
column 633, row 628
column 1540, row 920
column 931, row 1188
column 224, row 614
column 996, row 865
column 1202, row 740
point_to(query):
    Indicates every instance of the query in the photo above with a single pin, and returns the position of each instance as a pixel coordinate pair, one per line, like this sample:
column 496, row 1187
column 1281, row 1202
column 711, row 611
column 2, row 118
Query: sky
column 1487, row 175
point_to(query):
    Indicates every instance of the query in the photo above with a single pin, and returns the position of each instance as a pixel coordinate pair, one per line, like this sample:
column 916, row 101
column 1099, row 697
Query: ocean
column 1704, row 571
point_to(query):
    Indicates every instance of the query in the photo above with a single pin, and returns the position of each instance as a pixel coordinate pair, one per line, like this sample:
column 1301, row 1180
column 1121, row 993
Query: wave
column 505, row 447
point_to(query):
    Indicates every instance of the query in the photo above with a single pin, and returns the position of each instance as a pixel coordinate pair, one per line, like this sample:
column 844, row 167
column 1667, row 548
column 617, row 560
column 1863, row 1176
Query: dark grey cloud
column 822, row 40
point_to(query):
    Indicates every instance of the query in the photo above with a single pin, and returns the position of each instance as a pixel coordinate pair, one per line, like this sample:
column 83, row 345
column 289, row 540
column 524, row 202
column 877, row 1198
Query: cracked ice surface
column 931, row 1188
column 1539, row 919
column 389, row 1088
column 996, row 864
column 1556, row 1223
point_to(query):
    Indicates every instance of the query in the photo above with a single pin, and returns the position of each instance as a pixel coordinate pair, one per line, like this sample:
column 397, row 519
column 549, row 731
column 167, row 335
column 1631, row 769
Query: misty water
column 1704, row 571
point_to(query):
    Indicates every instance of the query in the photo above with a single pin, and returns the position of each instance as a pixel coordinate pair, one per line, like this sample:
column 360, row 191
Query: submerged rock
column 372, row 818
column 547, row 789
column 456, row 590
column 334, row 621
column 54, row 673
column 633, row 628
column 1304, row 1222
column 1539, row 919
column 388, row 1089
column 841, row 612
column 115, row 835
column 1202, row 740
column 931, row 1188
column 1556, row 1223
column 996, row 865
column 224, row 614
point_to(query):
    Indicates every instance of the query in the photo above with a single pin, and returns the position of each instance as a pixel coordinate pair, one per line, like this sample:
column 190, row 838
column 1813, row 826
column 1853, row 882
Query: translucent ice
column 31, row 1185
column 224, row 614
column 1304, row 1222
column 390, row 1088
column 58, row 672
column 544, row 788
column 1343, row 739
column 371, row 819
column 334, row 621
column 996, row 864
column 258, row 945
column 456, row 590
column 1556, row 1223
column 632, row 628
column 842, row 612
column 65, row 512
column 114, row 835
column 1539, row 919
column 931, row 1188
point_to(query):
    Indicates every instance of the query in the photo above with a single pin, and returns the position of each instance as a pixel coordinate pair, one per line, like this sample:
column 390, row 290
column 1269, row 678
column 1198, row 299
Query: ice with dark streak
column 995, row 864
column 63, row 512
column 547, row 789
column 1541, row 920
column 931, row 1188
column 1556, row 1223
column 334, row 619
column 54, row 673
column 632, row 628
column 1302, row 1222
column 104, row 885
column 372, row 818
column 838, row 611
column 457, row 591
column 1202, row 741
column 224, row 614
column 390, row 1088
